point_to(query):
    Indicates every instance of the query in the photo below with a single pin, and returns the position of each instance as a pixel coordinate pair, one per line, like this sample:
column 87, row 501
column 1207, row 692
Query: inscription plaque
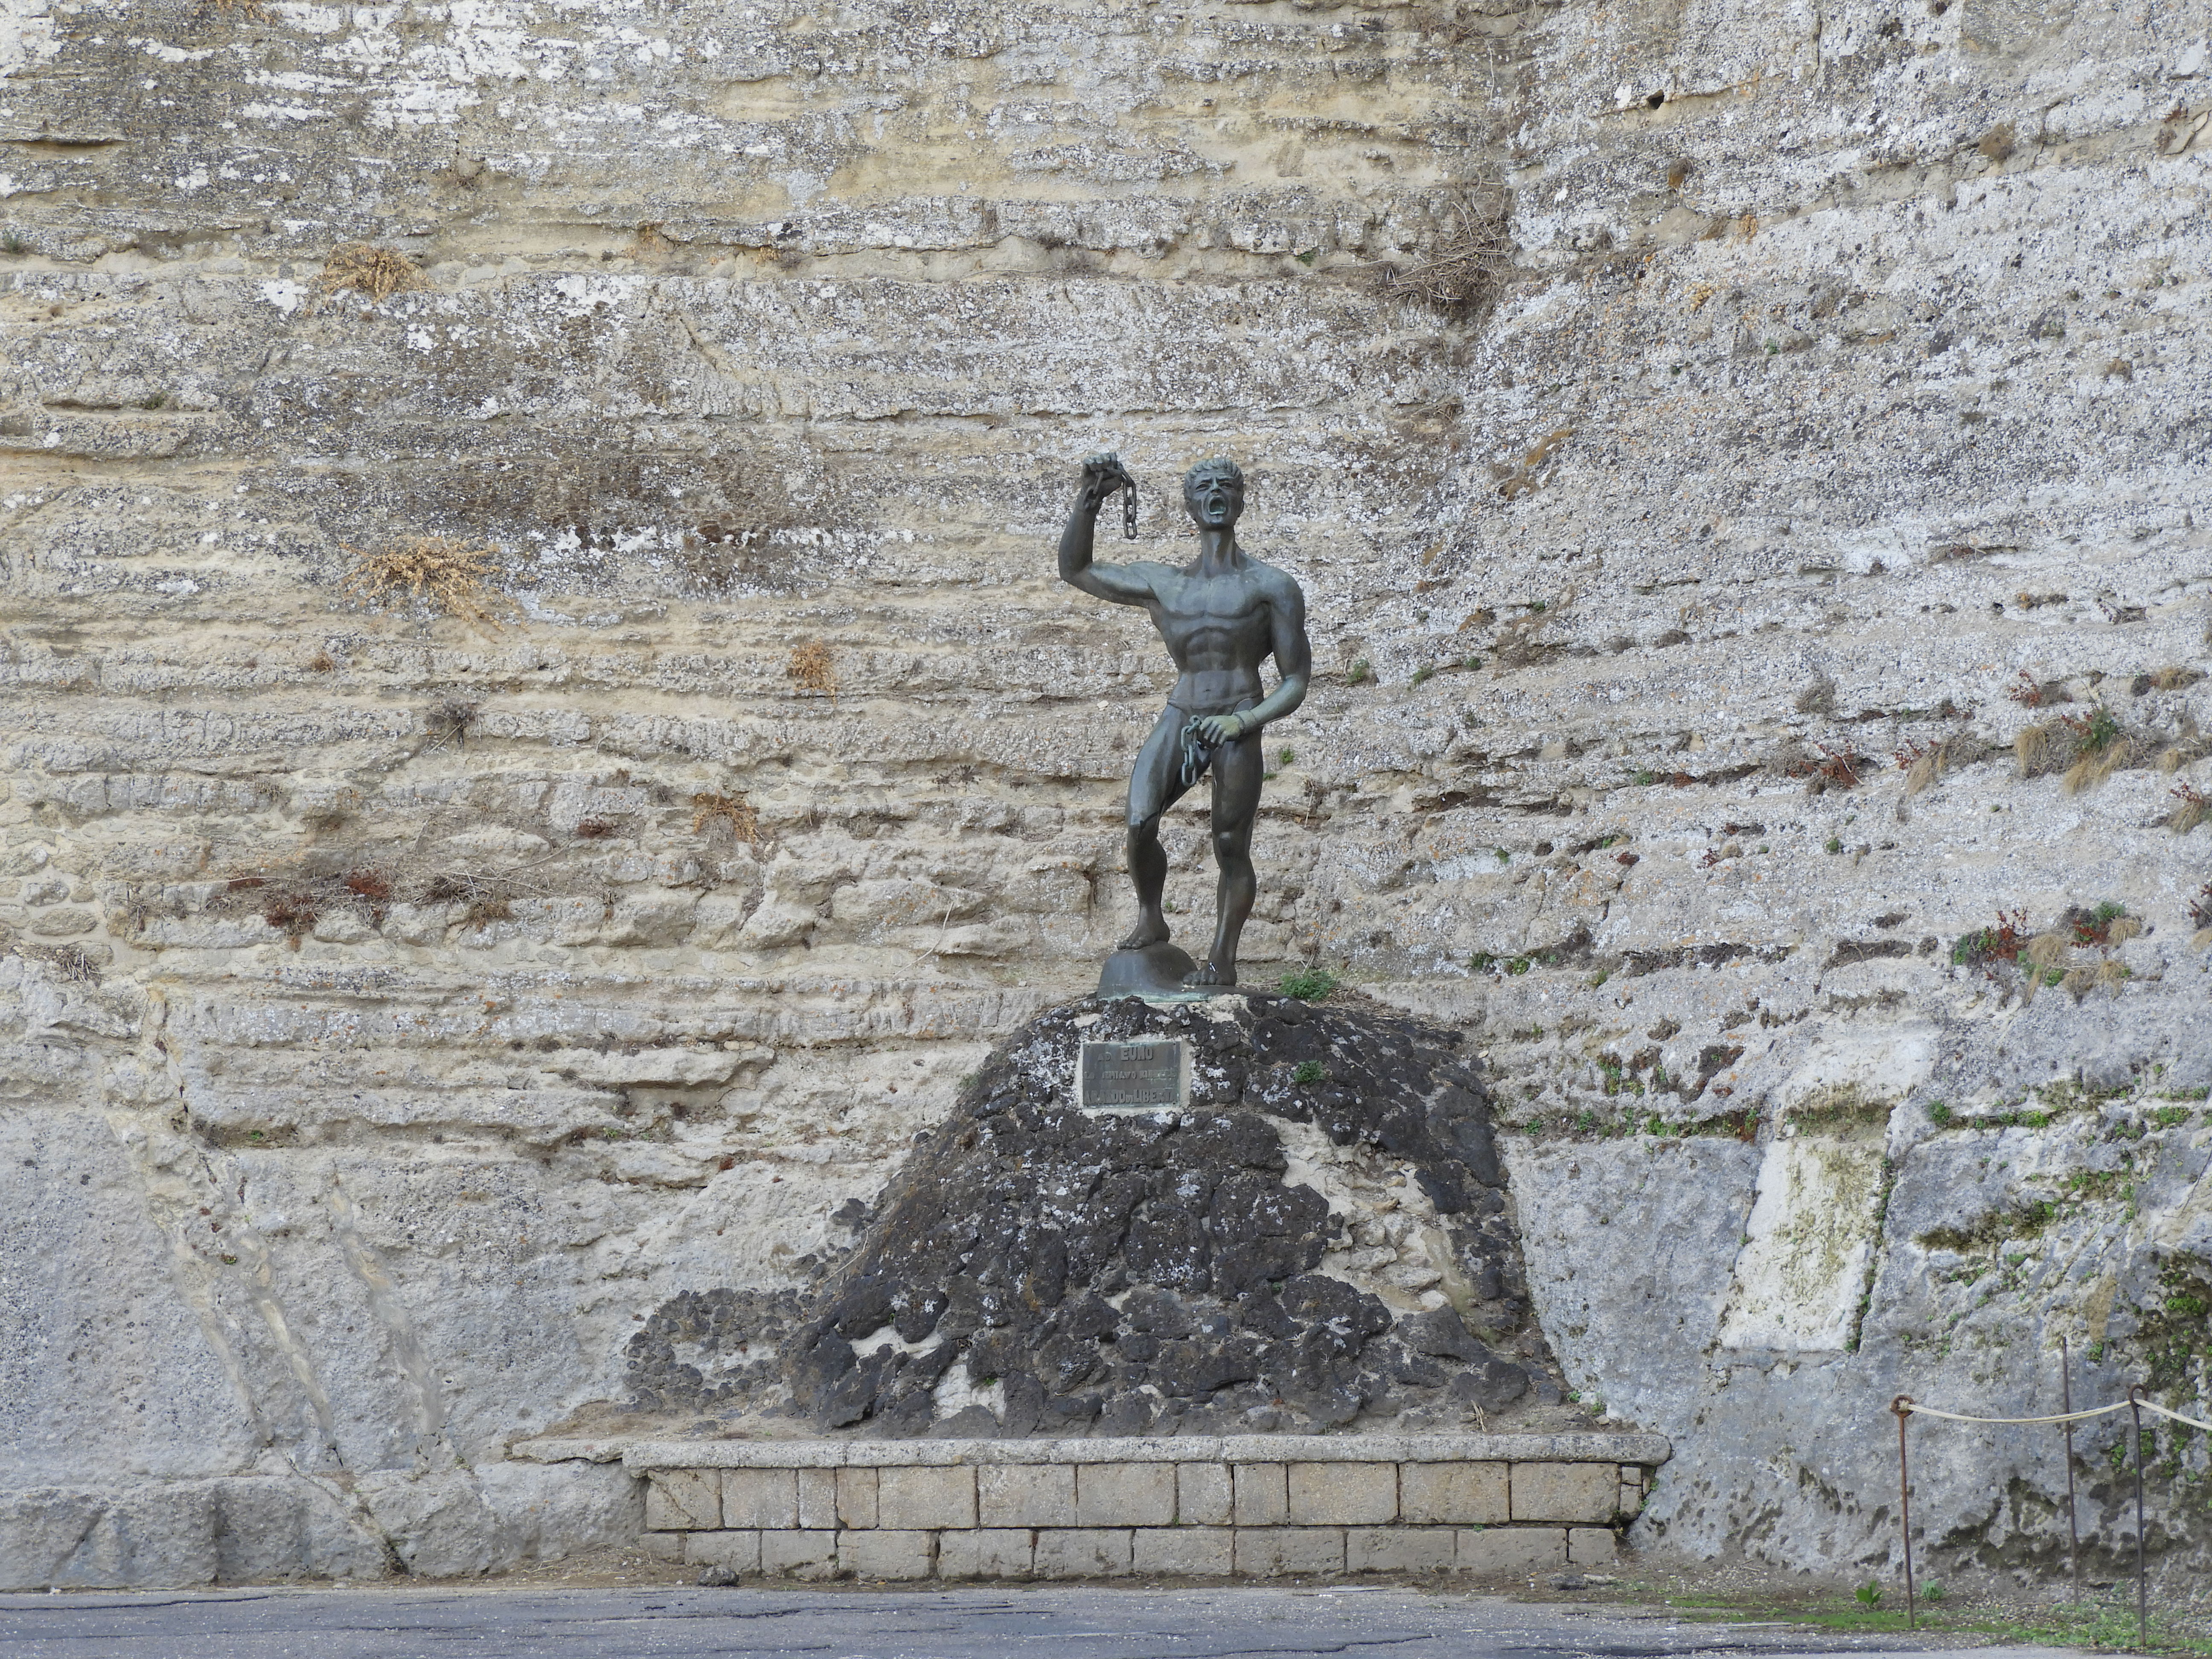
column 1132, row 1077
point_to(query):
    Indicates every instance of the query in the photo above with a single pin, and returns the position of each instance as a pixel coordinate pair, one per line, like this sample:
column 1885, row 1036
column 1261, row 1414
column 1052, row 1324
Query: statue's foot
column 1208, row 974
column 1149, row 930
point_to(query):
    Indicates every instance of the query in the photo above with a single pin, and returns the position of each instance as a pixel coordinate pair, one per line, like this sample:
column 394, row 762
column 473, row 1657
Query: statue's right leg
column 1155, row 784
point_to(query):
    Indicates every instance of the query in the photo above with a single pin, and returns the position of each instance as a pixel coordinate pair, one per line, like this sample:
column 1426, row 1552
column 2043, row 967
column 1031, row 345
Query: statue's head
column 1214, row 492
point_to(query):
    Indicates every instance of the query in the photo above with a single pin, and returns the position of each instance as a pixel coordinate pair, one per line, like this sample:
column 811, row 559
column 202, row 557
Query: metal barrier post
column 2142, row 1583
column 1903, row 1406
column 2073, row 1526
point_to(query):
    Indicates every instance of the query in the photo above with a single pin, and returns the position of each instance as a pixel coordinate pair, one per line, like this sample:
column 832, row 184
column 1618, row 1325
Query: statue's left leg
column 1236, row 769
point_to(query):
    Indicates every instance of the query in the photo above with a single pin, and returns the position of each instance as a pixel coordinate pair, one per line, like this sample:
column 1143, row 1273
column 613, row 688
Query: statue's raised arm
column 1124, row 584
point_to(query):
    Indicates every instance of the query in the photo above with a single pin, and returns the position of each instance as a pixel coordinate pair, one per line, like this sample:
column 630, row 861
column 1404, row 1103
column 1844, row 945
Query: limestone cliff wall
column 1781, row 564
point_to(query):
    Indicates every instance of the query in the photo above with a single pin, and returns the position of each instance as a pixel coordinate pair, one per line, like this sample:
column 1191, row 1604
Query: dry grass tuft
column 376, row 273
column 2046, row 955
column 250, row 11
column 2086, row 748
column 811, row 667
column 2190, row 809
column 1470, row 261
column 2103, row 974
column 733, row 810
column 2095, row 765
column 2174, row 679
column 1923, row 767
column 2032, row 748
column 445, row 572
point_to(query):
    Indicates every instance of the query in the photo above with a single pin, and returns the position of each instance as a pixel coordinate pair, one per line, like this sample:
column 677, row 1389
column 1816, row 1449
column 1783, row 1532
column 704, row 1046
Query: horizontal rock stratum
column 1745, row 464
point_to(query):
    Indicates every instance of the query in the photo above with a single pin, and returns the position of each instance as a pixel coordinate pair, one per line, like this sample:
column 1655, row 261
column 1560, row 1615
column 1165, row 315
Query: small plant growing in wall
column 1313, row 983
column 732, row 812
column 444, row 573
column 2190, row 809
column 811, row 670
column 374, row 273
column 1309, row 1070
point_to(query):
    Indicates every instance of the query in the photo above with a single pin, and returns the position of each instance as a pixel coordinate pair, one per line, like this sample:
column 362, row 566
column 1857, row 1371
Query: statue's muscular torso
column 1219, row 630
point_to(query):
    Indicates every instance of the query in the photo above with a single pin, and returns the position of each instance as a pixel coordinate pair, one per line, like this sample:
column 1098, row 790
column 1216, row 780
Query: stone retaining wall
column 1242, row 1507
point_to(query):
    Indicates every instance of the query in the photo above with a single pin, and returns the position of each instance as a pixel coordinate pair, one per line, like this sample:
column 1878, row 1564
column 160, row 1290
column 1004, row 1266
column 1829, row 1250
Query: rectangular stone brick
column 887, row 1553
column 1343, row 1494
column 985, row 1552
column 1185, row 1552
column 856, row 1498
column 1511, row 1549
column 1399, row 1549
column 921, row 1496
column 1125, row 1495
column 683, row 1500
column 767, row 1499
column 817, row 1498
column 1592, row 1546
column 1203, row 1495
column 1566, row 1492
column 797, row 1554
column 1082, row 1552
column 664, row 1546
column 1262, row 1498
column 1455, row 1494
column 1271, row 1552
column 740, row 1550
column 1025, row 1495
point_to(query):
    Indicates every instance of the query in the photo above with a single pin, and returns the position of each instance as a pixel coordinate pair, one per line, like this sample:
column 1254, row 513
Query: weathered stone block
column 1271, row 1552
column 1399, row 1549
column 1455, row 1494
column 1203, row 1497
column 1185, row 1552
column 1262, row 1496
column 1564, row 1492
column 683, row 1500
column 1592, row 1546
column 797, row 1554
column 887, row 1553
column 1025, row 1495
column 985, row 1552
column 817, row 1497
column 926, row 1498
column 664, row 1546
column 760, row 1498
column 1125, row 1495
column 1343, row 1494
column 1511, row 1549
column 856, row 1498
column 1083, row 1553
column 740, row 1549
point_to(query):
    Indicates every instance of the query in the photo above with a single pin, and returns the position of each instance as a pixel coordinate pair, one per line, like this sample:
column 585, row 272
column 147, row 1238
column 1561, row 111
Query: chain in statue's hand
column 1104, row 474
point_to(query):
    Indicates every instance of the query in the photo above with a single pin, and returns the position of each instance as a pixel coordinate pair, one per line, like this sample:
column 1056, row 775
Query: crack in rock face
column 1283, row 1254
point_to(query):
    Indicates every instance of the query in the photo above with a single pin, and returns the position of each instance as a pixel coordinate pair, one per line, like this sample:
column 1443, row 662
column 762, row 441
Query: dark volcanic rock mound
column 1037, row 1270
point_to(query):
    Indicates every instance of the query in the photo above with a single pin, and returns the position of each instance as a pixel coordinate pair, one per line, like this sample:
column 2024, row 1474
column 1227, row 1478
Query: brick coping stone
column 1587, row 1447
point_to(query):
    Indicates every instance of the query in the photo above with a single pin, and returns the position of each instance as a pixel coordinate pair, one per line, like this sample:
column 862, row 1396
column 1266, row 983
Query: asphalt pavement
column 1049, row 1623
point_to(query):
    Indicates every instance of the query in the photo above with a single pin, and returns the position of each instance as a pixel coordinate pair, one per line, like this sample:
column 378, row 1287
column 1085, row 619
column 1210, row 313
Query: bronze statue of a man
column 1222, row 616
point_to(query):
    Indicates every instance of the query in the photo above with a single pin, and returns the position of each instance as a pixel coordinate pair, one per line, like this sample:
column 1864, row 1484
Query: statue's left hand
column 1218, row 729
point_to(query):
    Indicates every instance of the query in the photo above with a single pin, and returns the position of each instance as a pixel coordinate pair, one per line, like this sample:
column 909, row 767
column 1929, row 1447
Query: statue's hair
column 1216, row 464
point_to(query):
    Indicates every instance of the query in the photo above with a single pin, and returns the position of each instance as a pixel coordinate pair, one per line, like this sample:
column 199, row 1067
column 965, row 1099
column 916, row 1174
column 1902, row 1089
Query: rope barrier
column 2061, row 1417
column 1905, row 1406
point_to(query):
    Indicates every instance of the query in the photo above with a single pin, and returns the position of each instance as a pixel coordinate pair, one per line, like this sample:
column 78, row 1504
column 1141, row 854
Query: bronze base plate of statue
column 1221, row 616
